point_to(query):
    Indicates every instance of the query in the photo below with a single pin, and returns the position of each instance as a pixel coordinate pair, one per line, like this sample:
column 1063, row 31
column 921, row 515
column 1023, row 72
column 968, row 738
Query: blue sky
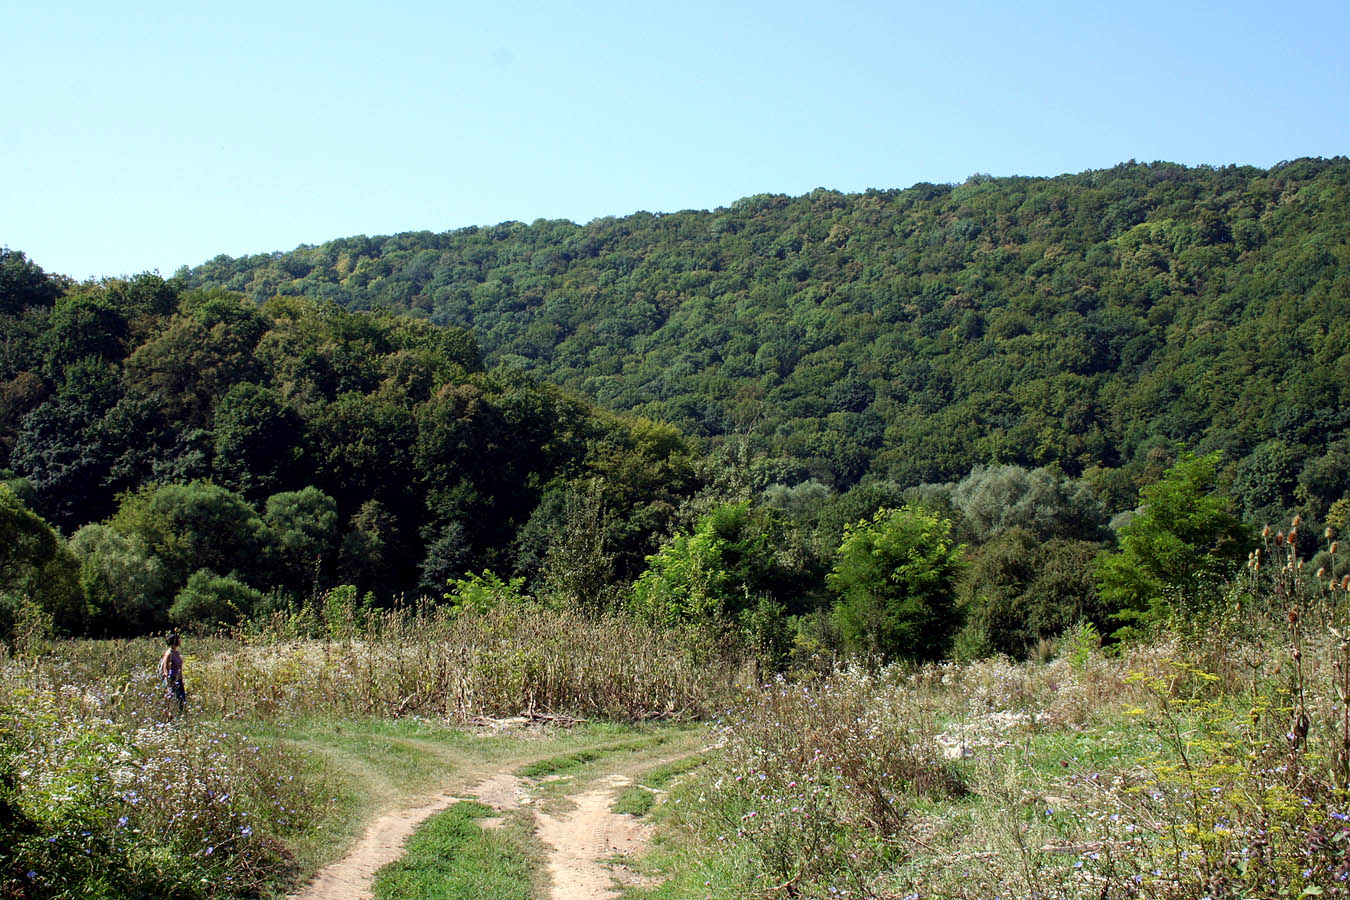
column 153, row 135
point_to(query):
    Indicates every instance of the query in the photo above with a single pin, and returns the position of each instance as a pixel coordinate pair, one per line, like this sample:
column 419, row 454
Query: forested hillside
column 176, row 437
column 1091, row 321
column 960, row 383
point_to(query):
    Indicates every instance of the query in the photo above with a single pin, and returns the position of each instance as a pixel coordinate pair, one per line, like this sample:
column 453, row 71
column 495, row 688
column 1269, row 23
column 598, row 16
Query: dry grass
column 460, row 666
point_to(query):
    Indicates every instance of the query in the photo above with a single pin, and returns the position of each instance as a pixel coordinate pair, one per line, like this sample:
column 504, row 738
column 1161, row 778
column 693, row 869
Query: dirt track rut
column 582, row 843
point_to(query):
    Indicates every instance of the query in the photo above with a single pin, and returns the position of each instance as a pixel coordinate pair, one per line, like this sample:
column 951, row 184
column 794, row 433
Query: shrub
column 1020, row 590
column 481, row 593
column 126, row 588
column 209, row 600
column 708, row 577
column 36, row 563
column 195, row 526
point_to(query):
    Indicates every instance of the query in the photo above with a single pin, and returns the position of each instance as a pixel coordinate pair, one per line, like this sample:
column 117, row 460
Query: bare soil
column 585, row 842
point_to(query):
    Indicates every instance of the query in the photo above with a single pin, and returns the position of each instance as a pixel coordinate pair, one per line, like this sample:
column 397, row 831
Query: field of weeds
column 1181, row 769
column 1210, row 762
column 106, row 790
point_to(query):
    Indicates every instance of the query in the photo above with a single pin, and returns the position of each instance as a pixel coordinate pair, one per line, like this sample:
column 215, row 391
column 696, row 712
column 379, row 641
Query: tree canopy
column 1185, row 539
column 1080, row 321
column 896, row 580
column 721, row 407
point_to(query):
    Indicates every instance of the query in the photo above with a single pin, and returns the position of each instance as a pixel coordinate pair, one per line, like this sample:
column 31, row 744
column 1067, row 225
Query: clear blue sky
column 148, row 136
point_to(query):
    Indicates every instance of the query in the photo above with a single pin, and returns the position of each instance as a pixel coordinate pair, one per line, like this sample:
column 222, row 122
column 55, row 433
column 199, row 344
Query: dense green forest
column 175, row 435
column 1089, row 321
column 898, row 422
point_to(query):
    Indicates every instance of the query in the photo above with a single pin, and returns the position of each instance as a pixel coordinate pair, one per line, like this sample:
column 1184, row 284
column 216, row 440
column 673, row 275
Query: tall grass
column 503, row 661
column 1213, row 762
column 106, row 791
column 424, row 660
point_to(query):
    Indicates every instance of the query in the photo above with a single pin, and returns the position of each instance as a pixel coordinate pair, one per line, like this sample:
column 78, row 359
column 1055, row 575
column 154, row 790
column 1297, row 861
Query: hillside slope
column 1091, row 320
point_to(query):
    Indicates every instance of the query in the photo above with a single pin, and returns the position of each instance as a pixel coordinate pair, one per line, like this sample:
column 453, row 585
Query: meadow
column 1209, row 761
column 297, row 732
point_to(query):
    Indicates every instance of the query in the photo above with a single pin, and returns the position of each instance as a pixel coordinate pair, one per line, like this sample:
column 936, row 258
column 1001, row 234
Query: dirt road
column 582, row 843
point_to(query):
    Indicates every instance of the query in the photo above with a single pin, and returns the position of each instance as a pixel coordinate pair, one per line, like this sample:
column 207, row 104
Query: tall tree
column 1184, row 540
column 896, row 580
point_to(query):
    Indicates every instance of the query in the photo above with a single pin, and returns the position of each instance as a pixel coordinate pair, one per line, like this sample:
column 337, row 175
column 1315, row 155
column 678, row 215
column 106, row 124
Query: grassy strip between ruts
column 634, row 801
column 452, row 856
column 556, row 765
column 663, row 775
column 639, row 799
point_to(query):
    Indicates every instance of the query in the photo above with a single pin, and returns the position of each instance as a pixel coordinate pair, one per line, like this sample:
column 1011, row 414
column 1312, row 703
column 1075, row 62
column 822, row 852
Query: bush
column 1021, row 590
column 209, row 600
column 126, row 588
column 709, row 577
column 194, row 526
column 481, row 593
column 36, row 563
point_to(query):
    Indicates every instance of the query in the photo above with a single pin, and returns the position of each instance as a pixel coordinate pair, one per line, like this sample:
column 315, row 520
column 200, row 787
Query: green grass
column 451, row 857
column 663, row 775
column 634, row 801
column 639, row 799
column 570, row 762
column 371, row 765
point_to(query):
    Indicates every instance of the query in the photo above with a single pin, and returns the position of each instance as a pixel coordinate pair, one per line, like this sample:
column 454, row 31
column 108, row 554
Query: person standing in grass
column 171, row 670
